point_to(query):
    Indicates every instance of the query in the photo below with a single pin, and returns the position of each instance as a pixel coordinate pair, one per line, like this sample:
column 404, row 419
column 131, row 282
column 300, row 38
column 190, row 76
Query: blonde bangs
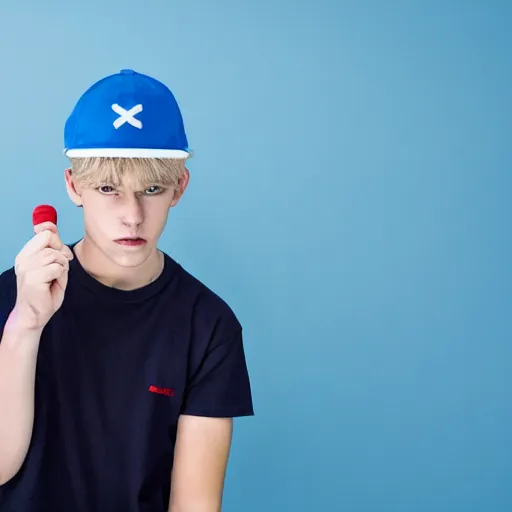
column 137, row 173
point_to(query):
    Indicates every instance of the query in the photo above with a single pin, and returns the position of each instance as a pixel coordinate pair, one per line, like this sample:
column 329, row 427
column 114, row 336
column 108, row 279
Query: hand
column 42, row 275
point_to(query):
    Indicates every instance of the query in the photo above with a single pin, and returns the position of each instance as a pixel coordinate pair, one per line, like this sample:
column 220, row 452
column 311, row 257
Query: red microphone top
column 44, row 213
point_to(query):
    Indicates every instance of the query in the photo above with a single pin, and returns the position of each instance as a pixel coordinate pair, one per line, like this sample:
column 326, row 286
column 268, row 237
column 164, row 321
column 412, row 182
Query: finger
column 67, row 252
column 61, row 281
column 48, row 255
column 43, row 239
column 50, row 226
column 49, row 273
column 43, row 226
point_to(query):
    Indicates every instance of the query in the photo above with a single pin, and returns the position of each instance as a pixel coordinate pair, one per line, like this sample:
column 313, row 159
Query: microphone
column 44, row 213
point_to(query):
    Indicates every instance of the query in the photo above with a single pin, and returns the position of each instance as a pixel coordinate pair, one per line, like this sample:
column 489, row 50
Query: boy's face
column 124, row 223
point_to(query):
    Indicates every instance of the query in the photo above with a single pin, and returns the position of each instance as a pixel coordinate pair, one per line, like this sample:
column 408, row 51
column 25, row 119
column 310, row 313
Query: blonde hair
column 92, row 172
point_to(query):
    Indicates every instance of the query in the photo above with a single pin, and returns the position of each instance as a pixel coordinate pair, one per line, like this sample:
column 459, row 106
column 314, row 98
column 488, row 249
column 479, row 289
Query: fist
column 41, row 269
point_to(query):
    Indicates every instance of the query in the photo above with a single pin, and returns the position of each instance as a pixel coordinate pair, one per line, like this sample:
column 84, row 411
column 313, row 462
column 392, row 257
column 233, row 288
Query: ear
column 72, row 189
column 185, row 178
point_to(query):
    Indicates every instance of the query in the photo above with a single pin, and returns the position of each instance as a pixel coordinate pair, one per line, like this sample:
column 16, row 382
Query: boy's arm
column 200, row 462
column 27, row 303
column 18, row 355
column 218, row 391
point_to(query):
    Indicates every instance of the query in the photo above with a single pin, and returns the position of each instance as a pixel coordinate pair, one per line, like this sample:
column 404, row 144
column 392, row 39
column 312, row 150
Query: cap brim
column 126, row 153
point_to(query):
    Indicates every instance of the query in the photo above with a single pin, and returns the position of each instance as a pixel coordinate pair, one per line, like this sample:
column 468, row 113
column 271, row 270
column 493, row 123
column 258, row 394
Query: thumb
column 45, row 226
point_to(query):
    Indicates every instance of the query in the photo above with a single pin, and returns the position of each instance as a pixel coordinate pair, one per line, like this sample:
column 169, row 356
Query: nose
column 132, row 213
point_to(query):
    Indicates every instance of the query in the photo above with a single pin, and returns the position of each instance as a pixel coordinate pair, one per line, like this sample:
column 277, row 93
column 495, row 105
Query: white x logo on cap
column 126, row 116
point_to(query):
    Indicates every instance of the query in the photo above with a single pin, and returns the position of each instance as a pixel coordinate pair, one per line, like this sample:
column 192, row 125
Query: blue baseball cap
column 129, row 115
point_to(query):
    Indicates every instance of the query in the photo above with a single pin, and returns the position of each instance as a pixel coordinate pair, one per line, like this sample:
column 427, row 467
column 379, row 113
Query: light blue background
column 350, row 198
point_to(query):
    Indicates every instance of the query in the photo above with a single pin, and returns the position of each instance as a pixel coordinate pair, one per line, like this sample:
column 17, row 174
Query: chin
column 131, row 257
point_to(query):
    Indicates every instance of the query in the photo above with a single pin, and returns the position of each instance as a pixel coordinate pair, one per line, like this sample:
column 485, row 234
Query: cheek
column 97, row 215
column 155, row 214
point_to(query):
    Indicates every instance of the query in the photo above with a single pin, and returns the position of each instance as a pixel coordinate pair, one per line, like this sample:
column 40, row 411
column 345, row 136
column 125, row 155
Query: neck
column 96, row 263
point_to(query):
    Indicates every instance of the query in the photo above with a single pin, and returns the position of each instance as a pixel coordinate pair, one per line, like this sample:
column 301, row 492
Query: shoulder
column 207, row 310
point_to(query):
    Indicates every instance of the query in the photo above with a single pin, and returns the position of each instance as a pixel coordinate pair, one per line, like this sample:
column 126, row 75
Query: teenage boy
column 120, row 372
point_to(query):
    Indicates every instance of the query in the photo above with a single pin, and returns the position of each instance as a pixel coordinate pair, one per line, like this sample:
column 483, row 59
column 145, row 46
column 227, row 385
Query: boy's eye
column 106, row 189
column 154, row 189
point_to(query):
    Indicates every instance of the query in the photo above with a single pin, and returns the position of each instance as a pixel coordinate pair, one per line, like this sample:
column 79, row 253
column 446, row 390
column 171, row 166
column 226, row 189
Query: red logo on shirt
column 161, row 391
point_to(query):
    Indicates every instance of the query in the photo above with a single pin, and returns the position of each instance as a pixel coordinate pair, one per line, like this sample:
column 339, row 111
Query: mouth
column 130, row 241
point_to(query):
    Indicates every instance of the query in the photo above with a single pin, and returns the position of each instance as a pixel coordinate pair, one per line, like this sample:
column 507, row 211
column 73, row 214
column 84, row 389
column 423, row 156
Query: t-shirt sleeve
column 220, row 386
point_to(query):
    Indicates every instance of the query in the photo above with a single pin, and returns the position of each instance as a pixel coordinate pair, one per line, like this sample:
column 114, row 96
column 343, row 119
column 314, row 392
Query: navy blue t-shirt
column 115, row 370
